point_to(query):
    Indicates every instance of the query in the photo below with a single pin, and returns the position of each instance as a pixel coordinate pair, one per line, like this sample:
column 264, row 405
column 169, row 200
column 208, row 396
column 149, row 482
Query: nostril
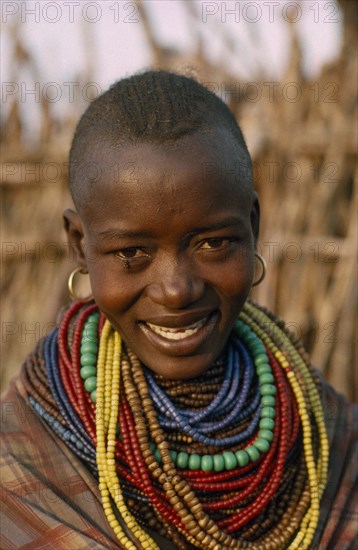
column 177, row 291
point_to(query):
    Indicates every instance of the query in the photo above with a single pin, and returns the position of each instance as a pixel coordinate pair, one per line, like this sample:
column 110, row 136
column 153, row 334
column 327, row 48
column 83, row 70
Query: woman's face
column 168, row 239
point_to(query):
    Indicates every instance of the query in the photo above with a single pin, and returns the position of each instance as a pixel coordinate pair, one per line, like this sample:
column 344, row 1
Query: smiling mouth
column 179, row 333
column 180, row 340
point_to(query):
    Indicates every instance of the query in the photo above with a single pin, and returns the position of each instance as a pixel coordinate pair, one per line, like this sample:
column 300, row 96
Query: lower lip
column 188, row 345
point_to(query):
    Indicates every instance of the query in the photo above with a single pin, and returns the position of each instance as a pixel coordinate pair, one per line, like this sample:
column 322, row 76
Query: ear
column 255, row 217
column 75, row 234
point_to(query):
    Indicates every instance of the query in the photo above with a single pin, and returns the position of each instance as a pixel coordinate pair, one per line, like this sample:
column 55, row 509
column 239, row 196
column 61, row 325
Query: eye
column 215, row 243
column 217, row 249
column 129, row 253
column 132, row 256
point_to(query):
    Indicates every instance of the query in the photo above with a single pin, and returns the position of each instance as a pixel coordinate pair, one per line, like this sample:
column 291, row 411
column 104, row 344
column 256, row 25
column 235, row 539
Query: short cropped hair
column 157, row 107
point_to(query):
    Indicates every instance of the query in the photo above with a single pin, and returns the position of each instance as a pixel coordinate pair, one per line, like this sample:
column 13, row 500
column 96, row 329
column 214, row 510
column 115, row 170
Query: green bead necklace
column 228, row 460
column 89, row 354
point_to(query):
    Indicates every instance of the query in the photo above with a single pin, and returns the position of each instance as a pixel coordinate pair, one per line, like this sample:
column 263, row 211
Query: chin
column 180, row 368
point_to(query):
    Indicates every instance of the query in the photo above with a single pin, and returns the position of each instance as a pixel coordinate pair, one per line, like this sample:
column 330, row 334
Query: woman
column 167, row 410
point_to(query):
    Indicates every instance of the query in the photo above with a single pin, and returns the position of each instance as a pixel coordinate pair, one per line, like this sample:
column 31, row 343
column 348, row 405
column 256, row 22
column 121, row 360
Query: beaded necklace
column 237, row 458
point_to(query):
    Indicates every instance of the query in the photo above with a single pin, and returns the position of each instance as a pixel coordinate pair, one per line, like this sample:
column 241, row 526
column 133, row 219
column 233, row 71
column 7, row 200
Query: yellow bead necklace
column 205, row 533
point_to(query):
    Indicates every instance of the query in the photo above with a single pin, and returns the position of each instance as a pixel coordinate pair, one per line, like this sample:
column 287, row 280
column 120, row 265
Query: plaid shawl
column 50, row 500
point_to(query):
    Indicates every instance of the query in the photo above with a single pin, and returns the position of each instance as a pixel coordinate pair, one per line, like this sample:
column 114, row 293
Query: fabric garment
column 50, row 500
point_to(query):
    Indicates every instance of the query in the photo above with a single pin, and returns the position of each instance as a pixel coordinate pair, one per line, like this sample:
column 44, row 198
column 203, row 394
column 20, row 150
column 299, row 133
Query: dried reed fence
column 305, row 167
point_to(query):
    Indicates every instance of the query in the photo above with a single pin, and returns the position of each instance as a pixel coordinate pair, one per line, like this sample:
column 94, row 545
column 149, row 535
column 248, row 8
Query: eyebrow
column 122, row 233
column 228, row 222
column 112, row 234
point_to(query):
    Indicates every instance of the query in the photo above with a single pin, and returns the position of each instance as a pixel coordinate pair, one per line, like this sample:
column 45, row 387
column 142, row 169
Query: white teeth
column 177, row 333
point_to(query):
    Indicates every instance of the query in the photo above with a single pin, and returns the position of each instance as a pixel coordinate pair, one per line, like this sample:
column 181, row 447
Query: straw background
column 305, row 161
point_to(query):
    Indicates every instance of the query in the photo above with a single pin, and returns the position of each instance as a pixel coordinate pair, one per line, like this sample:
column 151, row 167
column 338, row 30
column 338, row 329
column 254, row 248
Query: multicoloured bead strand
column 219, row 478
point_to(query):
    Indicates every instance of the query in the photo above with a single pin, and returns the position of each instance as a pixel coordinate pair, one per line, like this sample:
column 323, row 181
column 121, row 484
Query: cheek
column 235, row 279
column 112, row 291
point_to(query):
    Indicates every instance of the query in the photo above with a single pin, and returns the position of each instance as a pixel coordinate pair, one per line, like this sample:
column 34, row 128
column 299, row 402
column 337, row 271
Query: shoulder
column 48, row 497
column 339, row 513
column 18, row 421
column 341, row 418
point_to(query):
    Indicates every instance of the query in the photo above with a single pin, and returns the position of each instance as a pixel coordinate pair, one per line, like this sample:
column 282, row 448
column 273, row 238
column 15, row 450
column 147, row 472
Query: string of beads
column 236, row 458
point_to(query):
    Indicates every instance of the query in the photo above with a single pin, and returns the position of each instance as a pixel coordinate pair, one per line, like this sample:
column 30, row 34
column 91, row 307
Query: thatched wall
column 304, row 155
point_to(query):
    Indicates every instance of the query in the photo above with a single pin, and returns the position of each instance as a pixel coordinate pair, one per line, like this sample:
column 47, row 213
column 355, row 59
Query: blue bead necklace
column 227, row 410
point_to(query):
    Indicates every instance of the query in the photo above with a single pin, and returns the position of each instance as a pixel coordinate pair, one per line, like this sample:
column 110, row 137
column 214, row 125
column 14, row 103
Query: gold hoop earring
column 264, row 269
column 71, row 291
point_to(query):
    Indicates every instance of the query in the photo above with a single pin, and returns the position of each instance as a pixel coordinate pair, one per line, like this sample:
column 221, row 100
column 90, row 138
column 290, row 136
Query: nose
column 177, row 285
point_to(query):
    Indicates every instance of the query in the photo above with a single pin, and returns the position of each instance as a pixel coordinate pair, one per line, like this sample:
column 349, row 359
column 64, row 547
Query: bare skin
column 167, row 236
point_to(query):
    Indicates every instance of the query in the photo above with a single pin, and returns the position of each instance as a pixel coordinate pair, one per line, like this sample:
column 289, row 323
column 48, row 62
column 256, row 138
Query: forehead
column 201, row 169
